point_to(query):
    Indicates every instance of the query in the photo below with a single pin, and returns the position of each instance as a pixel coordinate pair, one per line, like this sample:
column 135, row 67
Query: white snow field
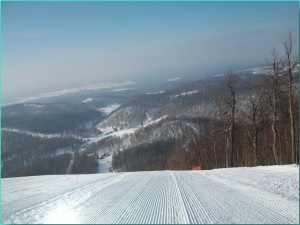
column 238, row 195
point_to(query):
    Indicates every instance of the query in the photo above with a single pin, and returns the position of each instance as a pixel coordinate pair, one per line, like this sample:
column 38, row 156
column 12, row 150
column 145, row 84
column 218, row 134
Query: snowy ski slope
column 238, row 195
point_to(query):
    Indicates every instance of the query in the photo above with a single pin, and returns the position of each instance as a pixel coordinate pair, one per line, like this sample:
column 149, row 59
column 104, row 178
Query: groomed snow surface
column 237, row 195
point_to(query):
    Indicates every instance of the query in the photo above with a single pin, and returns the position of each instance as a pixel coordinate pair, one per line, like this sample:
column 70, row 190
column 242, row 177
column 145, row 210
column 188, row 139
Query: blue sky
column 53, row 45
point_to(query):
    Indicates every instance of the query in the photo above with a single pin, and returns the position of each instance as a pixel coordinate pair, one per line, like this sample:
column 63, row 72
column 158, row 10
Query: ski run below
column 265, row 194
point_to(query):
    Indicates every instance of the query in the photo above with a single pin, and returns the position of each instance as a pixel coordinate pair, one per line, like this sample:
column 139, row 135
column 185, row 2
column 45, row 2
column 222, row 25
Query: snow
column 219, row 75
column 88, row 100
column 26, row 132
column 104, row 164
column 34, row 134
column 89, row 87
column 121, row 133
column 69, row 168
column 264, row 195
column 34, row 105
column 108, row 109
column 267, row 70
column 191, row 125
column 184, row 94
column 155, row 93
column 123, row 89
column 89, row 124
column 62, row 151
column 173, row 79
column 150, row 122
column 107, row 132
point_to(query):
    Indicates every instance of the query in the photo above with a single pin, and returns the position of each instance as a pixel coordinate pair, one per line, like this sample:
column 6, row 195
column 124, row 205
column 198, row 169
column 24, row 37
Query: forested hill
column 219, row 122
column 224, row 121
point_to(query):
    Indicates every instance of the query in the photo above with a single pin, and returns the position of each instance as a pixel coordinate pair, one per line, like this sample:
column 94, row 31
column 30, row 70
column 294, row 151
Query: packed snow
column 265, row 195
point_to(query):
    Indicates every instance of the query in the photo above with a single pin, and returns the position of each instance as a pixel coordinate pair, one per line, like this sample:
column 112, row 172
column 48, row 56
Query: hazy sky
column 53, row 45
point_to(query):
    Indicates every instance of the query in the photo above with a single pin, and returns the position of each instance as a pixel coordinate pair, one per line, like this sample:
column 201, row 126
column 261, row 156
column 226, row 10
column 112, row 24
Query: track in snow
column 239, row 195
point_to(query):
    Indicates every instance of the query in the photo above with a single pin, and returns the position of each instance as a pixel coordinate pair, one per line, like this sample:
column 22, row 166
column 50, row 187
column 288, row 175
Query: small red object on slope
column 197, row 168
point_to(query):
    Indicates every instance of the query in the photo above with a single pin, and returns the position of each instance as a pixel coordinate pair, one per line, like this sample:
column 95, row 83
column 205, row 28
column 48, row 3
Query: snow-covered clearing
column 184, row 94
column 121, row 133
column 34, row 105
column 62, row 151
column 108, row 132
column 173, row 79
column 237, row 195
column 104, row 164
column 123, row 89
column 150, row 122
column 108, row 109
column 155, row 93
column 88, row 100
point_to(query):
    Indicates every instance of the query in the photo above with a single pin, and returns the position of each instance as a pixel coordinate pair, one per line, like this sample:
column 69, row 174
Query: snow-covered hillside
column 238, row 195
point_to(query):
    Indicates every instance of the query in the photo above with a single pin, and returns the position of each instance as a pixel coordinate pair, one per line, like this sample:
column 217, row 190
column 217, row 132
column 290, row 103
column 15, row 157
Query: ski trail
column 69, row 168
column 264, row 201
column 196, row 209
column 35, row 213
column 157, row 197
column 228, row 200
column 179, row 205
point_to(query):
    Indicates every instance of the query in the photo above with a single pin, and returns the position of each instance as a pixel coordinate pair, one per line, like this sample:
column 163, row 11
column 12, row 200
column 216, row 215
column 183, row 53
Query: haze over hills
column 75, row 115
column 138, row 86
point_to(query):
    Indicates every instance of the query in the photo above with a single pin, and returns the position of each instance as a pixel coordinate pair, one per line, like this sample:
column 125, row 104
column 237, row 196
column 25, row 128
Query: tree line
column 20, row 151
column 144, row 157
column 254, row 121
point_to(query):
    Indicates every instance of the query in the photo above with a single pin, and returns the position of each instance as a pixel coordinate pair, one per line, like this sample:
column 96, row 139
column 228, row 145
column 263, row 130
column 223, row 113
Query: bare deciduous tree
column 274, row 71
column 254, row 96
column 290, row 65
column 228, row 115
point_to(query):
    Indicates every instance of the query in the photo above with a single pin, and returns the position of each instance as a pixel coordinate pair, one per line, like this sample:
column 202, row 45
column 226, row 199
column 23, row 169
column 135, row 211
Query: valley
column 171, row 129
